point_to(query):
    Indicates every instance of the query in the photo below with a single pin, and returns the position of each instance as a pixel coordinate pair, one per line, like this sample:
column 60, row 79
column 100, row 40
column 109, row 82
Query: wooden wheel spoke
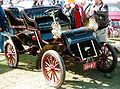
column 109, row 59
column 55, row 76
column 13, row 53
column 47, row 68
column 56, row 64
column 57, row 69
column 106, row 52
column 107, row 62
column 47, row 64
column 8, row 60
column 101, row 62
column 7, row 55
column 49, row 58
column 13, row 59
column 11, row 62
column 47, row 71
column 53, row 61
column 51, row 75
column 109, row 54
column 104, row 49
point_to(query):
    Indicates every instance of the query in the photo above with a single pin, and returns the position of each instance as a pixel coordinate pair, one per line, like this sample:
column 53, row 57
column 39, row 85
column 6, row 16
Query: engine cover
column 81, row 42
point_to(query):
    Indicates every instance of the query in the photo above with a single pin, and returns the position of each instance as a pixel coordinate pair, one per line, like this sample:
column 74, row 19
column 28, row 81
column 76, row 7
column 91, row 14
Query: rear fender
column 14, row 40
column 17, row 44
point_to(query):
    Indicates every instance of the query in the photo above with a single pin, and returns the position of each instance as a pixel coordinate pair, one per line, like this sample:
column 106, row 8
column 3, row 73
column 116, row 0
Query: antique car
column 24, row 39
column 47, row 33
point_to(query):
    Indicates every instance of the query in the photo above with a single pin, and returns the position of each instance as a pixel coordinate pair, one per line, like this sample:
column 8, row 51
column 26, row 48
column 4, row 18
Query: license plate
column 91, row 65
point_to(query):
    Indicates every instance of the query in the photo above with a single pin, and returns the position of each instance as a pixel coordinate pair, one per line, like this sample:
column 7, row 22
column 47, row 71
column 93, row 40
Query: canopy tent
column 114, row 16
column 70, row 1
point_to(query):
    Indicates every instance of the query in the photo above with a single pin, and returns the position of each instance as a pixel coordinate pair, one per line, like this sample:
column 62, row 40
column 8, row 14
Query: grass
column 92, row 79
column 76, row 78
column 26, row 62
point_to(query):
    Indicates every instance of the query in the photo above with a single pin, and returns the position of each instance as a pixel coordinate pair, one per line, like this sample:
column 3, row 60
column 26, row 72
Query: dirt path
column 22, row 79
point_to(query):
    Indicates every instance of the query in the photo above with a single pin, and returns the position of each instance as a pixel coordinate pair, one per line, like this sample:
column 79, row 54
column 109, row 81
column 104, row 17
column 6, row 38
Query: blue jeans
column 2, row 39
column 1, row 43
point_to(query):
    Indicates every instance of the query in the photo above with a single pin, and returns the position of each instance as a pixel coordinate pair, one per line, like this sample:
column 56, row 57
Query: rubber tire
column 6, row 44
column 61, row 65
column 114, row 61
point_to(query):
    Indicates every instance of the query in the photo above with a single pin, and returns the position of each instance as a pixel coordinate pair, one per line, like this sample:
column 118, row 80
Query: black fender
column 15, row 41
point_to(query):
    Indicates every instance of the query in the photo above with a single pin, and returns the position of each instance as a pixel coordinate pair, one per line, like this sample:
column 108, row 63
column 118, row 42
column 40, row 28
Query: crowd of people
column 78, row 11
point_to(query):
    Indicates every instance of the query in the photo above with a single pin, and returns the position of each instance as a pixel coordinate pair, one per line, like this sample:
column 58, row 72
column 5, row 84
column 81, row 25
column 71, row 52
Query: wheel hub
column 9, row 54
column 104, row 57
column 52, row 68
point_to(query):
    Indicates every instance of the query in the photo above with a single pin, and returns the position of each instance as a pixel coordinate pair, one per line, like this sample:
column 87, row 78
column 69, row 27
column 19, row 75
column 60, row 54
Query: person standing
column 81, row 4
column 2, row 25
column 99, row 11
column 72, row 11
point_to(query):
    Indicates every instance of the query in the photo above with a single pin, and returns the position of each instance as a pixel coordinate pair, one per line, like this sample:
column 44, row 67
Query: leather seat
column 36, row 18
column 15, row 11
column 14, row 22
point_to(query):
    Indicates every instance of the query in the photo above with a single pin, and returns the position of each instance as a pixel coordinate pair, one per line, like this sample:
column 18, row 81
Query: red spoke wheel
column 108, row 60
column 11, row 54
column 53, row 68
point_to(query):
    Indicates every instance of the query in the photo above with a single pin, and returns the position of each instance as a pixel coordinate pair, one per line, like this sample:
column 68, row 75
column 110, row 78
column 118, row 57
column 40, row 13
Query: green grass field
column 76, row 78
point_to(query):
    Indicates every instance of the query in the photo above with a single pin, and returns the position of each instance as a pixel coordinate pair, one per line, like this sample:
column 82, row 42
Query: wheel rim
column 52, row 69
column 107, row 58
column 11, row 55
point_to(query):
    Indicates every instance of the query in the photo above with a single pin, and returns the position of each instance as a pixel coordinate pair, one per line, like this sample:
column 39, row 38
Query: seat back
column 29, row 22
column 13, row 20
column 36, row 18
column 15, row 12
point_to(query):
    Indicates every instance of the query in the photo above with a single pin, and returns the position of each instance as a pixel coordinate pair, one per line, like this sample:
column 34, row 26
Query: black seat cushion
column 44, row 20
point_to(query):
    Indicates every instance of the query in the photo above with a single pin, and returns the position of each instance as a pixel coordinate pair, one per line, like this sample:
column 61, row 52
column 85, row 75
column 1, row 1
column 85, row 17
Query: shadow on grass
column 3, row 65
column 27, row 62
column 4, row 68
column 92, row 79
